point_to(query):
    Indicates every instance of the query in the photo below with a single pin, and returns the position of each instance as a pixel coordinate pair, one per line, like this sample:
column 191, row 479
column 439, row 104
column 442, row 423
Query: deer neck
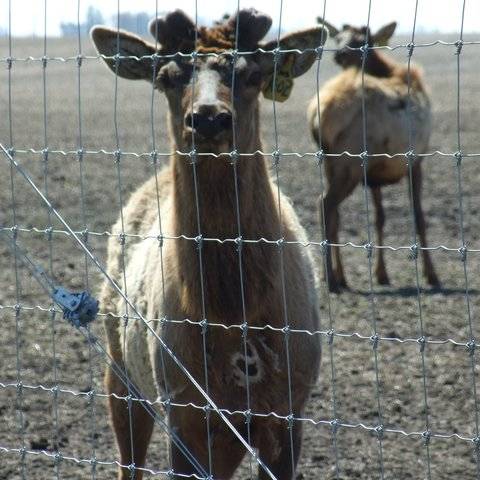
column 217, row 199
column 379, row 65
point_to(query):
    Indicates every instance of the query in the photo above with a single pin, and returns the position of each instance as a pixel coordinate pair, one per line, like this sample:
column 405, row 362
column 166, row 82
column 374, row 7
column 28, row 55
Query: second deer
column 398, row 112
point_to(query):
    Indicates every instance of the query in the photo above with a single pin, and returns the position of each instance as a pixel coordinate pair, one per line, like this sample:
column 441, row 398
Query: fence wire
column 57, row 229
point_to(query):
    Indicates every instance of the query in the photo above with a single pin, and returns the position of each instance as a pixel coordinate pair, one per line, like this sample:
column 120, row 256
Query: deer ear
column 291, row 64
column 382, row 37
column 110, row 42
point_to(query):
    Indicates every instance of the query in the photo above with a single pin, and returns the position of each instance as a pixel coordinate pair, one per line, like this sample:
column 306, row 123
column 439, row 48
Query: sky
column 443, row 16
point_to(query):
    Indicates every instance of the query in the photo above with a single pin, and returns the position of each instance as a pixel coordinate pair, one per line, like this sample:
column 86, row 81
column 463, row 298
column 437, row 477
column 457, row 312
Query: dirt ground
column 350, row 394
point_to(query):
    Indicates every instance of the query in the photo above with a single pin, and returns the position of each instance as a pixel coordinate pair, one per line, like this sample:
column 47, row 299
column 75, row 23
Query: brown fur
column 177, row 282
column 386, row 88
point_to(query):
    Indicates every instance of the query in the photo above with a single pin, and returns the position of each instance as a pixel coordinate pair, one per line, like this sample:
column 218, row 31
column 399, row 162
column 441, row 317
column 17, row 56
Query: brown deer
column 178, row 282
column 389, row 106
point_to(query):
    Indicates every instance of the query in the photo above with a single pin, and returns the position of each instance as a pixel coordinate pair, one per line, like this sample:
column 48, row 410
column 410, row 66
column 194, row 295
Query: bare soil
column 349, row 389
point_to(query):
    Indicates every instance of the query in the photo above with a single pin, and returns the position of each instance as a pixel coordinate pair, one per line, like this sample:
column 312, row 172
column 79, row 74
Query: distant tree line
column 133, row 22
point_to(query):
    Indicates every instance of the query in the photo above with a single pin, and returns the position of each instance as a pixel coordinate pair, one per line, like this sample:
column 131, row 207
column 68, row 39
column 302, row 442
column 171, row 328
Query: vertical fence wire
column 369, row 251
column 82, row 175
column 281, row 247
column 46, row 173
column 239, row 244
column 411, row 158
column 199, row 241
column 324, row 240
column 19, row 403
column 122, row 240
column 463, row 249
column 154, row 159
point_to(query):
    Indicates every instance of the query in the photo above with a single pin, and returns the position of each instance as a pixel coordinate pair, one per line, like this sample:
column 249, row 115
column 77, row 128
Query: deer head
column 350, row 39
column 218, row 86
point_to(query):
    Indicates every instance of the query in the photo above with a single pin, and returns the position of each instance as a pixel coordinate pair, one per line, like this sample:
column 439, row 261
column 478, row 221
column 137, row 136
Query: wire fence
column 398, row 369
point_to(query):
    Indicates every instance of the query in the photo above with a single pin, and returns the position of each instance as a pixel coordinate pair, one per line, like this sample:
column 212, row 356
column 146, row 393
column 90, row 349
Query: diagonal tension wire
column 94, row 259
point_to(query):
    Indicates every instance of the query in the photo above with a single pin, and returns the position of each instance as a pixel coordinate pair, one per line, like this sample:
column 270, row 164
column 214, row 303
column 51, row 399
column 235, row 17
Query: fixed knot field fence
column 217, row 309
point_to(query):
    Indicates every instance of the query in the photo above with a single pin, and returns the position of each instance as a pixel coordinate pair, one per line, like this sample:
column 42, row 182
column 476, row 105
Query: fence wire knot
column 193, row 157
column 248, row 416
column 334, row 424
column 204, row 325
column 234, row 155
column 330, row 336
column 319, row 52
column 364, row 158
column 379, row 430
column 459, row 45
column 375, row 339
column 426, row 436
column 44, row 61
column 369, row 249
column 117, row 154
column 422, row 342
column 160, row 240
column 463, row 253
column 476, row 442
column 410, row 156
column 207, row 410
column 9, row 61
column 154, row 157
column 320, row 156
column 199, row 241
column 364, row 50
column 244, row 329
column 239, row 243
column 276, row 158
column 410, row 48
column 413, row 255
column 458, row 157
column 290, row 419
column 324, row 247
column 471, row 346
column 79, row 59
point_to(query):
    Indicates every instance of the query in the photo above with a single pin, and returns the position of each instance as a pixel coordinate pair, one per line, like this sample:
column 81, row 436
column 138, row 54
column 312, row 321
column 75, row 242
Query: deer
column 188, row 277
column 396, row 102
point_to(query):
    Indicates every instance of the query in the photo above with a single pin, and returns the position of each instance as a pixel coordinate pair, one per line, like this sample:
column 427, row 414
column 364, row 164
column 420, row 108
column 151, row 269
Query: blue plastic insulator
column 78, row 308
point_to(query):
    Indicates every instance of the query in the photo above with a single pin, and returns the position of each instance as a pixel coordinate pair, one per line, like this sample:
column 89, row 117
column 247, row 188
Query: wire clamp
column 78, row 308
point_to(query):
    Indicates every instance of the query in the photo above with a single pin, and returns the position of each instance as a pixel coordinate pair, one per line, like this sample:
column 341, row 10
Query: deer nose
column 208, row 121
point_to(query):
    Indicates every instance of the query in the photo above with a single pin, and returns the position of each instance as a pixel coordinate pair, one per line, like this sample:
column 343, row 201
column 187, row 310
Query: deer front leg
column 429, row 270
column 279, row 448
column 132, row 430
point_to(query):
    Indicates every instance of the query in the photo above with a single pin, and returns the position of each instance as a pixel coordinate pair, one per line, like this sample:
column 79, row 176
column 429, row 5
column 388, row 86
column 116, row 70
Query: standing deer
column 169, row 282
column 394, row 96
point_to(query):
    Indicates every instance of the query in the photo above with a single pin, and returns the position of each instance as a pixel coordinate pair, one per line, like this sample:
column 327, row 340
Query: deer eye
column 254, row 79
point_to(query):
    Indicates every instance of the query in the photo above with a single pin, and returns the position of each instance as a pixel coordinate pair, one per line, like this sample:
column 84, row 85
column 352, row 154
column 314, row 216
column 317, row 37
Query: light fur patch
column 251, row 364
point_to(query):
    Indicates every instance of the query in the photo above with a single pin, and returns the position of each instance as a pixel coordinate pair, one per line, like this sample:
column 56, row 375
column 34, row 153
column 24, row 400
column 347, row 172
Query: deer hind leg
column 132, row 431
column 279, row 448
column 380, row 269
column 428, row 268
column 342, row 181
